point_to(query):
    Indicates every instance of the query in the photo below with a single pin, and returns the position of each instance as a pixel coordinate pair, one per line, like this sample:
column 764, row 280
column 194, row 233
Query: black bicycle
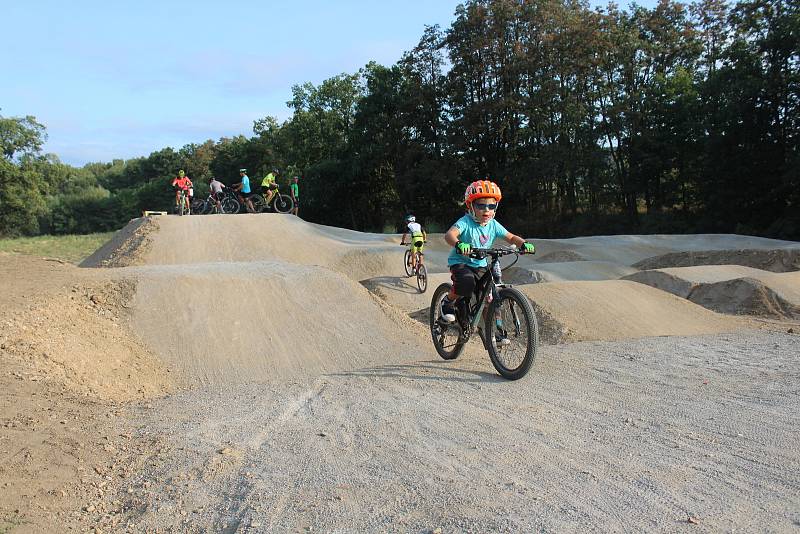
column 228, row 203
column 510, row 332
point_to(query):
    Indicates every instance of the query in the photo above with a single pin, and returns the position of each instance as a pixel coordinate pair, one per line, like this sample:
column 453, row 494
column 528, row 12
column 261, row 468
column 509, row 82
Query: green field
column 71, row 248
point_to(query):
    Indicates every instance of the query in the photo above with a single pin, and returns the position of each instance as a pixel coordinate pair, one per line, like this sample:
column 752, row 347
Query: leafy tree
column 21, row 136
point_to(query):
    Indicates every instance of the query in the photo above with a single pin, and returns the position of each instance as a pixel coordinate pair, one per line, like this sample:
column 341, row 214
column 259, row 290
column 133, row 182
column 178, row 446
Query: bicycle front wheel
column 446, row 336
column 230, row 205
column 407, row 262
column 422, row 277
column 283, row 203
column 513, row 334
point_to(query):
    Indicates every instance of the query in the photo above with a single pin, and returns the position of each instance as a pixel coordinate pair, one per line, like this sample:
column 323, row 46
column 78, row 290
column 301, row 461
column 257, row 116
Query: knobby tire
column 446, row 338
column 422, row 277
column 407, row 261
column 512, row 361
column 283, row 203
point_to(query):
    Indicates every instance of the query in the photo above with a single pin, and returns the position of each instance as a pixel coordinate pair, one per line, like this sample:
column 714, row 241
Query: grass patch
column 71, row 248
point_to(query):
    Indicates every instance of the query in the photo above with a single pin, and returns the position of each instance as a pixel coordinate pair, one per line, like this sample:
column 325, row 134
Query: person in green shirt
column 294, row 189
column 268, row 185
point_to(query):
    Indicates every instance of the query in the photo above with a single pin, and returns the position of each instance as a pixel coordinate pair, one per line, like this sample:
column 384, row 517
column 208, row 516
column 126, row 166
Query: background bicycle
column 279, row 202
column 419, row 270
column 180, row 207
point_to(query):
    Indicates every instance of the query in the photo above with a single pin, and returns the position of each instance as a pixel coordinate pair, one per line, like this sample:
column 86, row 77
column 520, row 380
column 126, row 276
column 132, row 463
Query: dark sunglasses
column 491, row 207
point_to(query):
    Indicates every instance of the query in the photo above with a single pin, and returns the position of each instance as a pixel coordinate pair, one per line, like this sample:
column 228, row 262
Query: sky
column 121, row 79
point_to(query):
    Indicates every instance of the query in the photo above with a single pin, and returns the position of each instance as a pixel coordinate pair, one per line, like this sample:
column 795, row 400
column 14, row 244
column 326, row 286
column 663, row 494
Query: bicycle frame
column 485, row 285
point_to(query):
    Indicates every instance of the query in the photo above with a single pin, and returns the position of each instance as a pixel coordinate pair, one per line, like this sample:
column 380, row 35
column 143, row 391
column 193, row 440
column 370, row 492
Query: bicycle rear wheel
column 407, row 262
column 198, row 206
column 283, row 203
column 512, row 334
column 422, row 277
column 446, row 337
column 259, row 203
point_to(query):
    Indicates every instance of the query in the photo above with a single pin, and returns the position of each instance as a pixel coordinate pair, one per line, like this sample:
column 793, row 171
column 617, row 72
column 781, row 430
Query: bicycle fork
column 492, row 295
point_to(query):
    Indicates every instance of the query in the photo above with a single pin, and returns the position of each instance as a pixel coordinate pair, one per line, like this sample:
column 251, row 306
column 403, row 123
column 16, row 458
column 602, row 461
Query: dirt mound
column 681, row 281
column 744, row 296
column 775, row 260
column 560, row 256
column 79, row 340
column 265, row 321
column 619, row 309
column 401, row 292
column 630, row 249
column 663, row 280
column 730, row 288
column 128, row 246
column 67, row 360
column 564, row 272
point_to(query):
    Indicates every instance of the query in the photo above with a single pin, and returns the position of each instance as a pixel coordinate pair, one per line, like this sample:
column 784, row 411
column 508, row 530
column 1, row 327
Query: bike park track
column 306, row 393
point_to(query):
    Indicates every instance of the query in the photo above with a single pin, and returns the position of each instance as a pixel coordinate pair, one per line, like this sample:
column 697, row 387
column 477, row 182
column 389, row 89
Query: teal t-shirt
column 476, row 235
column 245, row 184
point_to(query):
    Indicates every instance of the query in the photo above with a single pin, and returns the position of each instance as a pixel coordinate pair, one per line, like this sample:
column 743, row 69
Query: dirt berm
column 731, row 289
column 259, row 296
column 778, row 260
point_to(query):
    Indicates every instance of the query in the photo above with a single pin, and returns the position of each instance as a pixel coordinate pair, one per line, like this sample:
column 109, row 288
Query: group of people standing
column 269, row 187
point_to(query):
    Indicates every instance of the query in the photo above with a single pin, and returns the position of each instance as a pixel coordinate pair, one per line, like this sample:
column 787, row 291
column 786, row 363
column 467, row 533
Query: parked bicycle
column 510, row 331
column 279, row 202
column 229, row 202
column 419, row 270
column 198, row 206
column 206, row 206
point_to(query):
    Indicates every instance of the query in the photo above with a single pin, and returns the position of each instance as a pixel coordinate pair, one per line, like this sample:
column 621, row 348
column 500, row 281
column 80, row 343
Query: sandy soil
column 263, row 374
column 70, row 371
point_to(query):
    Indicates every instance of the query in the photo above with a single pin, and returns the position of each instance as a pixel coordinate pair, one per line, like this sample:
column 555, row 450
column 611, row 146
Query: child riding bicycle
column 417, row 241
column 478, row 228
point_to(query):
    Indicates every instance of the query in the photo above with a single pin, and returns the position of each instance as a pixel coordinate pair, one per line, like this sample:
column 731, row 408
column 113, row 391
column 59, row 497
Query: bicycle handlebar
column 481, row 253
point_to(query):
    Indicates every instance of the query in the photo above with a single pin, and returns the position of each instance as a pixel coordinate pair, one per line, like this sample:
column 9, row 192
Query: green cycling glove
column 463, row 248
column 528, row 248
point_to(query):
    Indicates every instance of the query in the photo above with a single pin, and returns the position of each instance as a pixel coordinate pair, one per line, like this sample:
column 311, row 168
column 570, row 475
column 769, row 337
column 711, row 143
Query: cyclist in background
column 268, row 185
column 216, row 187
column 243, row 188
column 417, row 241
column 183, row 183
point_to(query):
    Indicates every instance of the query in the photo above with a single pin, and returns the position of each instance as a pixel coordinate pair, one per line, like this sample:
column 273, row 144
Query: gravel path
column 659, row 434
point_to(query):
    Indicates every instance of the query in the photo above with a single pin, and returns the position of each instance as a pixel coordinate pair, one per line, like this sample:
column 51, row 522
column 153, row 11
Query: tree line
column 680, row 118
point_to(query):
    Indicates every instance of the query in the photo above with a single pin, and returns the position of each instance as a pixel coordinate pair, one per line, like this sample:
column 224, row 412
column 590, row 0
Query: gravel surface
column 658, row 434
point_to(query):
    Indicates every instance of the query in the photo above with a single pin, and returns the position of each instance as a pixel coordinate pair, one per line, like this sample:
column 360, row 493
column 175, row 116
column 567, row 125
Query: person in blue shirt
column 478, row 228
column 243, row 188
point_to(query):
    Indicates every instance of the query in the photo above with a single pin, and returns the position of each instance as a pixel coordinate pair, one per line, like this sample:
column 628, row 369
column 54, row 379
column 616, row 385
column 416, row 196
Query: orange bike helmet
column 482, row 189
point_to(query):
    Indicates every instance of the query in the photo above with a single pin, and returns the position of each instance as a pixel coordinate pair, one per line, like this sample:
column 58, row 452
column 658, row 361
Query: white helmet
column 411, row 218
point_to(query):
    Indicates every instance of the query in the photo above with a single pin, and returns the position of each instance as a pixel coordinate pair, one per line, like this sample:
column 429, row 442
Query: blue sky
column 118, row 79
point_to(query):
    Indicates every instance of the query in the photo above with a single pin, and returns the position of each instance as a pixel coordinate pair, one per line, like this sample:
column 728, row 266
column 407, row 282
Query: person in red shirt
column 182, row 182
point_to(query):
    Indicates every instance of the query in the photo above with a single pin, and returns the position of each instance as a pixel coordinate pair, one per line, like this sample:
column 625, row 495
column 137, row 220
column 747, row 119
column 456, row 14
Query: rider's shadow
column 432, row 371
column 383, row 284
